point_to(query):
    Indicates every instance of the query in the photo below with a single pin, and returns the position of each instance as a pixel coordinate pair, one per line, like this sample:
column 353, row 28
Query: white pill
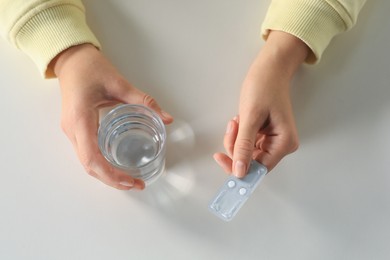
column 242, row 191
column 231, row 184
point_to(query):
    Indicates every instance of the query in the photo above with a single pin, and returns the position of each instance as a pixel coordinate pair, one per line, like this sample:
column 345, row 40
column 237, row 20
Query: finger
column 268, row 159
column 149, row 101
column 126, row 93
column 244, row 145
column 224, row 161
column 230, row 136
column 94, row 162
column 274, row 148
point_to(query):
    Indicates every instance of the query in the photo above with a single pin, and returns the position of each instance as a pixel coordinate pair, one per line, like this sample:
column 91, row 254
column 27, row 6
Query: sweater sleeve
column 44, row 28
column 315, row 22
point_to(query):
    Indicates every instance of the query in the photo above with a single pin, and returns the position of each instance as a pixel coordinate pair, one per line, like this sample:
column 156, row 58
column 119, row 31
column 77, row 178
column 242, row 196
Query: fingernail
column 216, row 158
column 139, row 184
column 127, row 184
column 239, row 169
column 166, row 115
column 229, row 127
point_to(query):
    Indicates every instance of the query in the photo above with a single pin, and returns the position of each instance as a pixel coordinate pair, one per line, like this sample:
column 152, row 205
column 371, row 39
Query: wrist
column 282, row 53
column 69, row 57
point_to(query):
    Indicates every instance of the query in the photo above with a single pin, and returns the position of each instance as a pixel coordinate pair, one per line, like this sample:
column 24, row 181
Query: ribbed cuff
column 314, row 22
column 52, row 31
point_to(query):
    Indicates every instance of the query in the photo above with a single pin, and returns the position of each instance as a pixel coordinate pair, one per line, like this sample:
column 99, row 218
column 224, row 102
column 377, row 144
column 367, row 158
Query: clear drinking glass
column 133, row 138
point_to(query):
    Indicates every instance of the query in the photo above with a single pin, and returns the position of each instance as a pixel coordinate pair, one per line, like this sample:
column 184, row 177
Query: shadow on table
column 350, row 83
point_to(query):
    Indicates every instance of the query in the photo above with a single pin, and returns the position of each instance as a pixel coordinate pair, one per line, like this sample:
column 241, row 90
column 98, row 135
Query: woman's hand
column 89, row 82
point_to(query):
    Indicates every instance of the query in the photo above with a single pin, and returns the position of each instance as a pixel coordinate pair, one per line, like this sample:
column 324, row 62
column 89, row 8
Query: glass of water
column 133, row 138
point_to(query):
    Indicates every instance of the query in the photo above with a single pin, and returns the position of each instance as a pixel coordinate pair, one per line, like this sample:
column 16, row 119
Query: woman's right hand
column 264, row 129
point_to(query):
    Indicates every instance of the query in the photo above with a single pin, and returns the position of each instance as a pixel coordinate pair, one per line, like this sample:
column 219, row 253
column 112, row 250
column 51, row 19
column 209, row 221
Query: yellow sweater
column 315, row 22
column 44, row 28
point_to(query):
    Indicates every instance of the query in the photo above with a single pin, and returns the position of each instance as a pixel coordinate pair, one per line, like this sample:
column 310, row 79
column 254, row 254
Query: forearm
column 71, row 57
column 280, row 57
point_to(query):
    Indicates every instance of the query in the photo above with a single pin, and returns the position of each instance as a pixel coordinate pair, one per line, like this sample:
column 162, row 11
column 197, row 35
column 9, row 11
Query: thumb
column 243, row 148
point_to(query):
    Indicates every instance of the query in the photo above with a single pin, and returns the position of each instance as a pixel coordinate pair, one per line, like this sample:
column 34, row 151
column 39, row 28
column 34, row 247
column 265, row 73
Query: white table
column 329, row 200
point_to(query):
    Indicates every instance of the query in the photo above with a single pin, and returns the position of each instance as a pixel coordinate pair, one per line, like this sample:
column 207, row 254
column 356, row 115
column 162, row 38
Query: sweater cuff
column 52, row 31
column 314, row 22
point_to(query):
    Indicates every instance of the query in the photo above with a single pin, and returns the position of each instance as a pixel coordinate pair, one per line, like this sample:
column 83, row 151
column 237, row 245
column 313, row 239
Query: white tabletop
column 329, row 200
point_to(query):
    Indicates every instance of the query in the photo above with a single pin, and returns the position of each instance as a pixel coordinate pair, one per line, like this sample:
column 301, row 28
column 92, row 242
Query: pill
column 242, row 191
column 231, row 184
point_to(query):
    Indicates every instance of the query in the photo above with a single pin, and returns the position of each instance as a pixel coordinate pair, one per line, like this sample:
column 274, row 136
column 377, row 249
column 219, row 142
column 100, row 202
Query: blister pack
column 235, row 192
